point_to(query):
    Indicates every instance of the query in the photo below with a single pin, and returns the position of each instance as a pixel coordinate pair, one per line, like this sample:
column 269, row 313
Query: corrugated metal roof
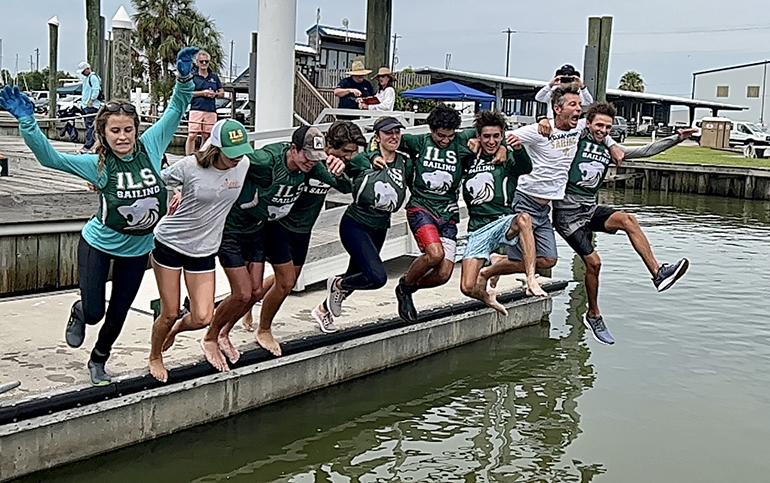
column 538, row 84
column 339, row 32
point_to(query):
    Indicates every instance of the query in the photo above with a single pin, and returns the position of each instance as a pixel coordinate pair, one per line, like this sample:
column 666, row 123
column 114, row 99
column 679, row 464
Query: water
column 683, row 396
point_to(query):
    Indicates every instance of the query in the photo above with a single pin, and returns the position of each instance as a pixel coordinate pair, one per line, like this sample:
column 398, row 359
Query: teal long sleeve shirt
column 155, row 140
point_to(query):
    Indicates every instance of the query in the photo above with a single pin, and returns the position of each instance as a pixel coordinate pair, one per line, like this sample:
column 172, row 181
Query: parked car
column 619, row 131
column 744, row 133
column 645, row 126
column 67, row 102
column 242, row 109
column 41, row 105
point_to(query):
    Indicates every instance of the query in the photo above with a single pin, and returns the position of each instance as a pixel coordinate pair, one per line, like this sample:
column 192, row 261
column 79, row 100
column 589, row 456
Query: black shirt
column 349, row 101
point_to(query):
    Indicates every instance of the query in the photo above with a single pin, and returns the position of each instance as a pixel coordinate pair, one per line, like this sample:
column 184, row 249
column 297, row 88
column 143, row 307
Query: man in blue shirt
column 89, row 102
column 203, row 108
column 354, row 87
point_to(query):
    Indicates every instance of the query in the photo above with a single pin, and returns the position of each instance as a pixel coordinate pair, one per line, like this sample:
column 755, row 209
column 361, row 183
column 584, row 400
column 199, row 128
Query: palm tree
column 631, row 81
column 163, row 27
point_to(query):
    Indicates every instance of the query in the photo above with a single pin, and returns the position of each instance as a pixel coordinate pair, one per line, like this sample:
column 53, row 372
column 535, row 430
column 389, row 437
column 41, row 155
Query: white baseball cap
column 83, row 66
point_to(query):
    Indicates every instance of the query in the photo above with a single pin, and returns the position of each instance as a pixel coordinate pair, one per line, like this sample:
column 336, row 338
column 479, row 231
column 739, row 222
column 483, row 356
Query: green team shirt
column 488, row 188
column 588, row 168
column 436, row 173
column 306, row 209
column 377, row 193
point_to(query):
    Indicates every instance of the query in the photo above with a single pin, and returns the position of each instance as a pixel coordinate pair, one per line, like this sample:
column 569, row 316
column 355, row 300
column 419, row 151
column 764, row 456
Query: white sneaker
column 334, row 296
column 325, row 321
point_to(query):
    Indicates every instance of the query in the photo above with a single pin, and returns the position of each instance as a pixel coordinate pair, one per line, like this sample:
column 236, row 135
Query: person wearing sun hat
column 386, row 94
column 353, row 87
column 187, row 240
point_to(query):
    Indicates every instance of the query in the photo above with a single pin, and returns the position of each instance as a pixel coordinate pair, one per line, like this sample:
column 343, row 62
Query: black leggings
column 93, row 269
column 365, row 270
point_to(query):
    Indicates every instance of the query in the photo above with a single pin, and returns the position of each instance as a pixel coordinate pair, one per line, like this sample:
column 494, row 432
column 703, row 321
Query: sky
column 666, row 41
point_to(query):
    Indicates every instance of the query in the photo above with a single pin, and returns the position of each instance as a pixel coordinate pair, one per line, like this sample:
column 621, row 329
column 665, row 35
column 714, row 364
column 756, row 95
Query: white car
column 224, row 109
column 67, row 102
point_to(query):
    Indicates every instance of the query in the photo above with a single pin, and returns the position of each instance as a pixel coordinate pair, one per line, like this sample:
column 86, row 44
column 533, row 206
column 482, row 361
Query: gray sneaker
column 325, row 320
column 99, row 376
column 334, row 296
column 76, row 327
column 668, row 274
column 598, row 329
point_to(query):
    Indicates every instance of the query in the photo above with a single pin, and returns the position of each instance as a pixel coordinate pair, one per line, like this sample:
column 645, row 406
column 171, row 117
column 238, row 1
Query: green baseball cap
column 231, row 137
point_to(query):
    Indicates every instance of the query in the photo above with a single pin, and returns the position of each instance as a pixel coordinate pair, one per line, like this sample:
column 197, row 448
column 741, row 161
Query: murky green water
column 683, row 396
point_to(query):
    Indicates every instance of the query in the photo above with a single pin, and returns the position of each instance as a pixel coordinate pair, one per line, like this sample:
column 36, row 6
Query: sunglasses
column 203, row 61
column 117, row 106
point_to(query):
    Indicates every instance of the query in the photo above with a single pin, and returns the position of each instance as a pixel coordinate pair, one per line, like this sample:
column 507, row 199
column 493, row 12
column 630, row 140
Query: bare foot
column 534, row 289
column 248, row 321
column 158, row 370
column 169, row 341
column 491, row 299
column 214, row 355
column 267, row 341
column 228, row 349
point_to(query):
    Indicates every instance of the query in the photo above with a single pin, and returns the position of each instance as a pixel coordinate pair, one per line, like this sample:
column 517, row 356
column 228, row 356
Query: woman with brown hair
column 209, row 182
column 386, row 94
column 126, row 172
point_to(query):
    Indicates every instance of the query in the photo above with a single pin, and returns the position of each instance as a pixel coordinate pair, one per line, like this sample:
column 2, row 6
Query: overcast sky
column 662, row 39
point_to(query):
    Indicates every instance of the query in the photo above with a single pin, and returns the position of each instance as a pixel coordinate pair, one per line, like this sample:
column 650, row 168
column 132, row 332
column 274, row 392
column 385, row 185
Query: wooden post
column 93, row 13
column 53, row 49
column 121, row 54
column 252, row 80
column 604, row 59
column 378, row 19
column 597, row 56
column 101, row 64
column 108, row 65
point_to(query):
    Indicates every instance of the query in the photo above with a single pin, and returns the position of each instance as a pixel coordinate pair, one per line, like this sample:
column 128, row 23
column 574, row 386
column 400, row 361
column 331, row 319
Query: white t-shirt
column 208, row 194
column 551, row 159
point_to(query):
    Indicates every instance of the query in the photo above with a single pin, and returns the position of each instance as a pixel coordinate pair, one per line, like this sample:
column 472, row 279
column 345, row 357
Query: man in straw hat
column 353, row 87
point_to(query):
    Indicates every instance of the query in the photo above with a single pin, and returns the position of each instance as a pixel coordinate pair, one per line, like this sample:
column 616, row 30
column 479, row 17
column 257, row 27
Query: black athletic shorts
column 284, row 246
column 240, row 249
column 581, row 240
column 167, row 257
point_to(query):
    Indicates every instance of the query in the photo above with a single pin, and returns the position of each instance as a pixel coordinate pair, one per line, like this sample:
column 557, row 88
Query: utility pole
column 394, row 59
column 37, row 61
column 31, row 63
column 447, row 61
column 508, row 51
column 232, row 43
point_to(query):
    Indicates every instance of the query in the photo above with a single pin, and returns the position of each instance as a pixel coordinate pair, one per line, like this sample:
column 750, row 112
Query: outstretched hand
column 686, row 133
column 184, row 60
column 16, row 102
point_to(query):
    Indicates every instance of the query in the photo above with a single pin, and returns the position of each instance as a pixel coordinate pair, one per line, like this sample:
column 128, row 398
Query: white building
column 739, row 84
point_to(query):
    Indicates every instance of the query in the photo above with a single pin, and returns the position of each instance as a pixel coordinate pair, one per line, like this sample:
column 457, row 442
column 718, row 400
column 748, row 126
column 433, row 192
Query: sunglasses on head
column 117, row 106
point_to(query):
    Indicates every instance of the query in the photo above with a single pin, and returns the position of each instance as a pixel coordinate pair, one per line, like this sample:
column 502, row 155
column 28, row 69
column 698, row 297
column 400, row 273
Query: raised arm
column 649, row 150
column 157, row 138
column 21, row 107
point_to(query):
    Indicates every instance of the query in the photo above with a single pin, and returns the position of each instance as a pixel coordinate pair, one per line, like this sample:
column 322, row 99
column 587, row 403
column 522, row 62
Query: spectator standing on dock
column 579, row 215
column 188, row 239
column 488, row 189
column 386, row 95
column 252, row 235
column 126, row 171
column 353, row 87
column 90, row 102
column 203, row 108
column 343, row 140
column 378, row 192
column 565, row 74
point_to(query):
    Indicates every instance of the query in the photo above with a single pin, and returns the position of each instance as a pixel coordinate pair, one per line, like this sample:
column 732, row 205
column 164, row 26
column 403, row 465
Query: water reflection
column 503, row 409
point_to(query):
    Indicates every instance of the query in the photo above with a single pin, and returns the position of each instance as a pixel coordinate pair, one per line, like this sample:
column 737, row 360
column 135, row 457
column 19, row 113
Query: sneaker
column 99, row 376
column 406, row 309
column 325, row 321
column 668, row 274
column 598, row 329
column 84, row 150
column 76, row 327
column 334, row 296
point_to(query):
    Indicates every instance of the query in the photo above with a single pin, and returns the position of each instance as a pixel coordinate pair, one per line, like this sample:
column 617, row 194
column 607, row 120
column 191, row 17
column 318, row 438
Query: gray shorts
column 545, row 240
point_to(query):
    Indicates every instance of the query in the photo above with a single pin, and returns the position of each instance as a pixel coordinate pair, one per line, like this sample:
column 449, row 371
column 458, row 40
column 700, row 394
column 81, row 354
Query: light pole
column 508, row 51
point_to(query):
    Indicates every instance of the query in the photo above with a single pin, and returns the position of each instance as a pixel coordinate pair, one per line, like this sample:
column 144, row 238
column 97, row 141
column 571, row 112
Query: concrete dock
column 35, row 353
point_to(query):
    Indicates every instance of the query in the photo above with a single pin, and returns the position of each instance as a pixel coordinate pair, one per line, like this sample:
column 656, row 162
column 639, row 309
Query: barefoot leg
column 214, row 355
column 267, row 341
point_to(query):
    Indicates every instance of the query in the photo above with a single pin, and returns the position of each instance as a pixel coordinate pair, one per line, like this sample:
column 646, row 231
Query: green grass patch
column 701, row 155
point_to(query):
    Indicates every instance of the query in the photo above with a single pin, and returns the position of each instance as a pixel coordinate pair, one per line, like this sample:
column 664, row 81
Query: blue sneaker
column 598, row 329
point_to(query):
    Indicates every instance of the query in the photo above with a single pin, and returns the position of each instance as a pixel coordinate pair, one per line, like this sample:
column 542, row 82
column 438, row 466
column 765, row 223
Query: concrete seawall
column 380, row 341
column 729, row 181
